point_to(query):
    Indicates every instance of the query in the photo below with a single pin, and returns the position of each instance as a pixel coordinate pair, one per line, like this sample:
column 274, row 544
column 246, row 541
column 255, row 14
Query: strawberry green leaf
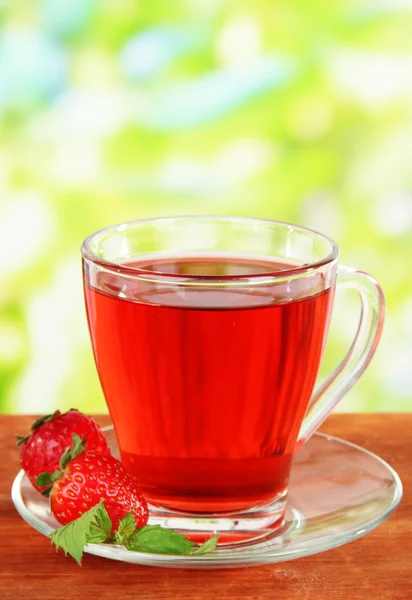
column 44, row 479
column 74, row 536
column 77, row 447
column 47, row 479
column 127, row 526
column 158, row 540
column 207, row 547
column 21, row 439
column 44, row 419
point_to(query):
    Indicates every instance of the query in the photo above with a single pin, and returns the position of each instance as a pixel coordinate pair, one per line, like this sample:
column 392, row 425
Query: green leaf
column 103, row 521
column 156, row 539
column 77, row 447
column 101, row 529
column 96, row 535
column 207, row 547
column 44, row 419
column 40, row 421
column 56, row 475
column 74, row 536
column 127, row 526
column 44, row 479
column 47, row 479
column 21, row 439
column 95, row 526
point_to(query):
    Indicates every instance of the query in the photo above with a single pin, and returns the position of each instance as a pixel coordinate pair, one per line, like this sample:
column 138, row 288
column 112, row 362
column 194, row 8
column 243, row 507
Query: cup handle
column 359, row 355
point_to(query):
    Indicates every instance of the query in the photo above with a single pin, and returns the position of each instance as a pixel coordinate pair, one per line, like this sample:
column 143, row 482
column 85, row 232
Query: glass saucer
column 338, row 492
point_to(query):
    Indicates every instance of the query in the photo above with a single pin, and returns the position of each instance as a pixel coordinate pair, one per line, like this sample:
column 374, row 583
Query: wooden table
column 377, row 566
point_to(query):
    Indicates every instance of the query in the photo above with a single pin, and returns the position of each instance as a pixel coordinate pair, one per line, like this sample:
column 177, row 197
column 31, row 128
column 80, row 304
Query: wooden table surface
column 377, row 566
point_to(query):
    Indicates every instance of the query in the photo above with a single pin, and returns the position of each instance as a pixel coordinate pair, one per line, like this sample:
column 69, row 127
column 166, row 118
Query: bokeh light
column 118, row 110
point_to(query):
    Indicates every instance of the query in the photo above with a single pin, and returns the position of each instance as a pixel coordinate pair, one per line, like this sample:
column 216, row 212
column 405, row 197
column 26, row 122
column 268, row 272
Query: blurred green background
column 113, row 110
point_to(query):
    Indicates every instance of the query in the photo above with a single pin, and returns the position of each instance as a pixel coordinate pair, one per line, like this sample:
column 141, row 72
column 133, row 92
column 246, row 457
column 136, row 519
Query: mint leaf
column 103, row 520
column 207, row 547
column 101, row 529
column 96, row 535
column 127, row 526
column 95, row 527
column 74, row 536
column 156, row 539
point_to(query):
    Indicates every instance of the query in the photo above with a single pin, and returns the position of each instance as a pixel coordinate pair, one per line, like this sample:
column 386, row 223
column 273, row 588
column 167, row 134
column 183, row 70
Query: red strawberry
column 86, row 478
column 51, row 435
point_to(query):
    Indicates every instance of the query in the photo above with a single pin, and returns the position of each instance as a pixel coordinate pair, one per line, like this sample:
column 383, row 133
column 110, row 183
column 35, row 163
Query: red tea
column 206, row 387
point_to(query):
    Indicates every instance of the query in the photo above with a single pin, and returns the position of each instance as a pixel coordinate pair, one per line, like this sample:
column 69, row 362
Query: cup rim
column 118, row 267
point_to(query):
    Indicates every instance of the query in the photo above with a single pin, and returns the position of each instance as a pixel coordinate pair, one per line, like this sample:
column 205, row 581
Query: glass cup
column 208, row 334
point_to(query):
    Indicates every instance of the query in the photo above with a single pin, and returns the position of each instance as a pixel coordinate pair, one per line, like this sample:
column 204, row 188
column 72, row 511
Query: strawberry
column 88, row 477
column 51, row 435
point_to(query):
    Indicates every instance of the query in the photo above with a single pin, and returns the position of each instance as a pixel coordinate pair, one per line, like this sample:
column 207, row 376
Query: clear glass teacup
column 208, row 334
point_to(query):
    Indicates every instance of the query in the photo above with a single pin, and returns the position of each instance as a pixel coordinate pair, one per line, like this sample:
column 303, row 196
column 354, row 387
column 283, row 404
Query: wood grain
column 378, row 566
